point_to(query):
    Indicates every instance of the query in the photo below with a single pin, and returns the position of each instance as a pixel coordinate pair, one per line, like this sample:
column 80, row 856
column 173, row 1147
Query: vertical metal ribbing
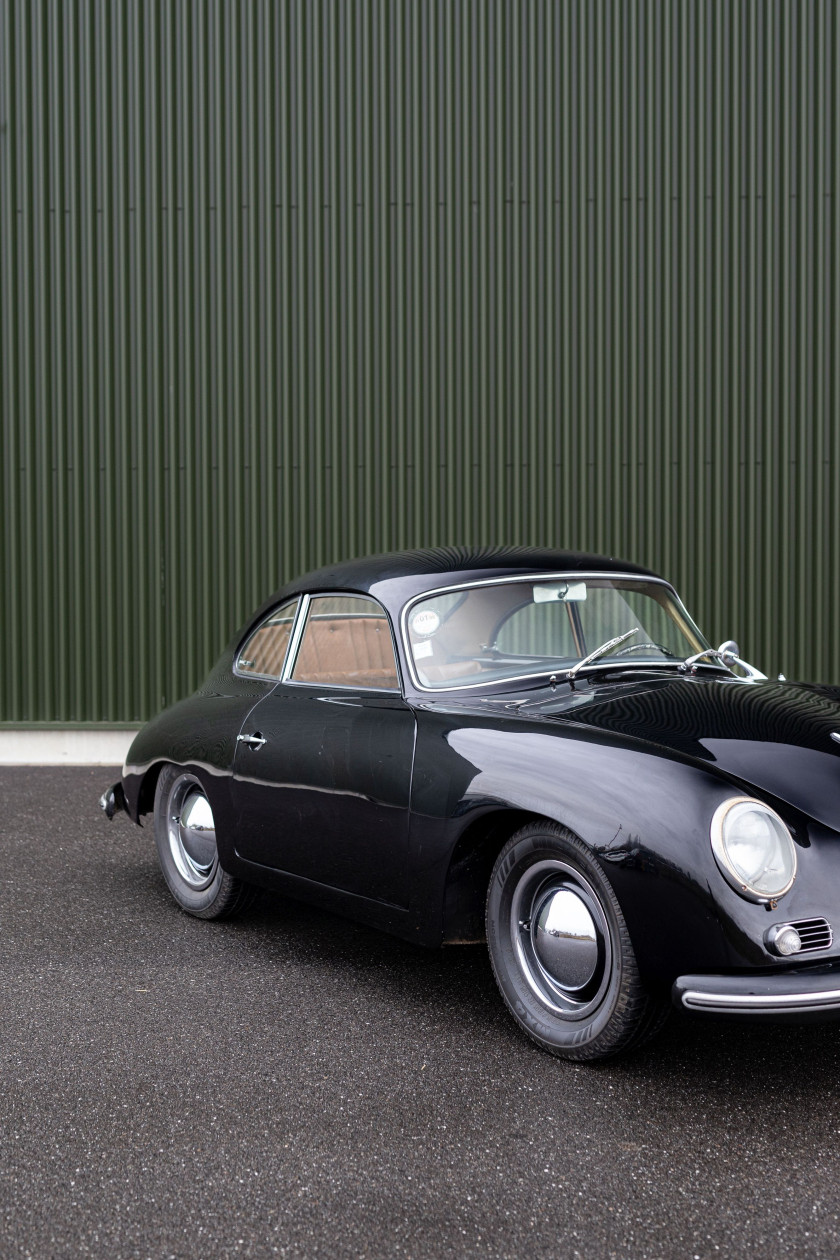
column 23, row 352
column 10, row 690
column 286, row 282
column 830, row 541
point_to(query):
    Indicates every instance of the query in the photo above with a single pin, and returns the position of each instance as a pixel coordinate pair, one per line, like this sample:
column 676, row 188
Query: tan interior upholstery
column 430, row 673
column 356, row 651
column 267, row 649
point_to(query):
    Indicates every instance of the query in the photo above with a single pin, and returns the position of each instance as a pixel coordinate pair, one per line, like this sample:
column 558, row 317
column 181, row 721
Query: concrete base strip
column 65, row 747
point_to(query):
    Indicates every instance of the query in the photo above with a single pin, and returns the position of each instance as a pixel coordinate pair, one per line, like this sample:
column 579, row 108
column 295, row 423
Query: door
column 322, row 774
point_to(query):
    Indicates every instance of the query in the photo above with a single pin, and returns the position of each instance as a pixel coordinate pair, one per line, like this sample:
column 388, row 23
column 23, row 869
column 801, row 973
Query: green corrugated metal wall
column 287, row 282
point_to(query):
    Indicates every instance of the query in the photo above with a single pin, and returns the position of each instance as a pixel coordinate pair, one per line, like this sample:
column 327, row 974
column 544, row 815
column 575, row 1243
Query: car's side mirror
column 730, row 649
column 731, row 654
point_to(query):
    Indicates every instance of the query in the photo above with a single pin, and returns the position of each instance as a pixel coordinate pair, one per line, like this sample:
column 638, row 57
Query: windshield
column 514, row 629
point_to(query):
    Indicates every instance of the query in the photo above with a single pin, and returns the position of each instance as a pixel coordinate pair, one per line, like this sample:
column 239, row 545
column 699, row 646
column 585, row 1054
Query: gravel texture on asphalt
column 290, row 1084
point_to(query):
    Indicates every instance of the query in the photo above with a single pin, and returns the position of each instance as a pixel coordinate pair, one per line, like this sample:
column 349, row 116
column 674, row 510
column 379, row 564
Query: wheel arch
column 470, row 867
column 148, row 787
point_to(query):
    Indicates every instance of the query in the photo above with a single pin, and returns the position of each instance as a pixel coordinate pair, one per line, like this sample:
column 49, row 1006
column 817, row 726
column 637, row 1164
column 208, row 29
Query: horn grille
column 814, row 934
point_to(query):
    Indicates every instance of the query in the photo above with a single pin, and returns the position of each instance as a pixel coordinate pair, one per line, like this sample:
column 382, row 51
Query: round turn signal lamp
column 783, row 939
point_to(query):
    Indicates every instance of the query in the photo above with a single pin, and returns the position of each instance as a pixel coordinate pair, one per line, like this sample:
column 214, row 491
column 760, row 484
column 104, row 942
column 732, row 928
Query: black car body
column 402, row 796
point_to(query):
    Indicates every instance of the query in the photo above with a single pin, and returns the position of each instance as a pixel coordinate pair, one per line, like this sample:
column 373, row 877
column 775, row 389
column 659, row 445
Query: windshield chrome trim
column 529, row 577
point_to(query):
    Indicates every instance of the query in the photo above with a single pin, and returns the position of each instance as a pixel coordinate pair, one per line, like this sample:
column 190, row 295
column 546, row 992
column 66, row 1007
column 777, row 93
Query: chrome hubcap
column 192, row 832
column 565, row 939
column 561, row 938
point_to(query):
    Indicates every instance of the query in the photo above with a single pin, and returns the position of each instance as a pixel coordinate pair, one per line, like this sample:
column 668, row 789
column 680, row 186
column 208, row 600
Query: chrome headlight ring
column 754, row 849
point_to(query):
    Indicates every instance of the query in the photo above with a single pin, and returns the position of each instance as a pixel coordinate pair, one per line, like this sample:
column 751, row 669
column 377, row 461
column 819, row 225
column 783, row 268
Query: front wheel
column 560, row 949
column 185, row 835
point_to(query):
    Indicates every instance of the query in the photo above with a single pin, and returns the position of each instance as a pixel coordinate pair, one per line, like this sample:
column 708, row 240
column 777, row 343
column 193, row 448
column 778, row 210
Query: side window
column 346, row 643
column 265, row 651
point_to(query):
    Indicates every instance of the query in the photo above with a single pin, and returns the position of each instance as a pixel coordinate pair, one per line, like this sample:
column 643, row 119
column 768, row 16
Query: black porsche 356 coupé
column 535, row 747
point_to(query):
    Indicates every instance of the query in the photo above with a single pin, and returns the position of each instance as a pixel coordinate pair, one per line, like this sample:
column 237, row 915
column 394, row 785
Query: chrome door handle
column 254, row 741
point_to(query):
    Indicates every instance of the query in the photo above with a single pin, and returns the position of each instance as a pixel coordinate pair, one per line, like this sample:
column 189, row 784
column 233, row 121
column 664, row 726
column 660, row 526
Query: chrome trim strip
column 694, row 999
column 352, row 687
column 294, row 641
column 525, row 577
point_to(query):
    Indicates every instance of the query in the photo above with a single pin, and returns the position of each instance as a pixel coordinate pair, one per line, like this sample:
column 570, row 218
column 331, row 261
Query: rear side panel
column 200, row 732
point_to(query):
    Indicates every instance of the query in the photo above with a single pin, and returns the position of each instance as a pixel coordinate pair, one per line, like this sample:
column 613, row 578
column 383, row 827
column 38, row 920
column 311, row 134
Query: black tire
column 187, row 853
column 560, row 949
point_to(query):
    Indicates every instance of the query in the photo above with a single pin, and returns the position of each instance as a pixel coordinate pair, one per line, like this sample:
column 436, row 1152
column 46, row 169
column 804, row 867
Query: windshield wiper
column 599, row 651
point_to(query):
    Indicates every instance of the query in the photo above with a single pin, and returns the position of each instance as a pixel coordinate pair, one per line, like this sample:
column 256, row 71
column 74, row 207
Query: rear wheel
column 185, row 835
column 560, row 949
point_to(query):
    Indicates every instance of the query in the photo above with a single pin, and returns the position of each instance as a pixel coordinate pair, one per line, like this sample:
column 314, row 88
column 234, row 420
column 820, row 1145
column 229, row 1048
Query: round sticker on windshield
column 425, row 622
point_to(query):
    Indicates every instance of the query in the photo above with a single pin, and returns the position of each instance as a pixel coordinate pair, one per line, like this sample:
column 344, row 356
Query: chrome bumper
column 112, row 801
column 787, row 995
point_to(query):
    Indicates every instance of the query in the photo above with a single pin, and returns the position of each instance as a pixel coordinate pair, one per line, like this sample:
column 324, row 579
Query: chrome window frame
column 297, row 639
column 273, row 678
column 529, row 577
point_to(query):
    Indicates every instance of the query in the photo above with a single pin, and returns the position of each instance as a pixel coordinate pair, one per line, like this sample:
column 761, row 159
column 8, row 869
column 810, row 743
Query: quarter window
column 265, row 652
column 346, row 643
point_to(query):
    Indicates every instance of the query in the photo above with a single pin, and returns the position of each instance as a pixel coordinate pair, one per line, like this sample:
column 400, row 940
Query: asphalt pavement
column 290, row 1084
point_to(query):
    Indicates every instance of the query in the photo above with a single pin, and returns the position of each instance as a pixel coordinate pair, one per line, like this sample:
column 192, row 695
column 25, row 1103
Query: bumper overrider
column 113, row 800
column 785, row 996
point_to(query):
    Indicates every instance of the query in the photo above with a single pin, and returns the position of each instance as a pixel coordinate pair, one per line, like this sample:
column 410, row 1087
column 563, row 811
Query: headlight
column 754, row 849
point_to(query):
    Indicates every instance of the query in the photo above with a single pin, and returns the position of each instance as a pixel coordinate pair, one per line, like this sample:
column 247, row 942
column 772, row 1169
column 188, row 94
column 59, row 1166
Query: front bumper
column 781, row 996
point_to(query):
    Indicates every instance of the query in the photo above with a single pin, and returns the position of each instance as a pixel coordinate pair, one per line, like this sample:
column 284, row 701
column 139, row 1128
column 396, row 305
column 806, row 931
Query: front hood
column 775, row 736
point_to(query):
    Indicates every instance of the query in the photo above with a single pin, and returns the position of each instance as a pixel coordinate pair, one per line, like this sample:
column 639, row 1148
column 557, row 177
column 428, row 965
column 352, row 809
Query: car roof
column 396, row 576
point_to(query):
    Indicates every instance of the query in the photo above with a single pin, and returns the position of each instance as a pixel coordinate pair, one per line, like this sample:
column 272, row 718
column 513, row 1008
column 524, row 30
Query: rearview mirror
column 548, row 592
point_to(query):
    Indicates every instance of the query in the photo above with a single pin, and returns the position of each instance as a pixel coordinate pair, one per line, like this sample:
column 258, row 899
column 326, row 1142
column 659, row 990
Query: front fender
column 645, row 813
